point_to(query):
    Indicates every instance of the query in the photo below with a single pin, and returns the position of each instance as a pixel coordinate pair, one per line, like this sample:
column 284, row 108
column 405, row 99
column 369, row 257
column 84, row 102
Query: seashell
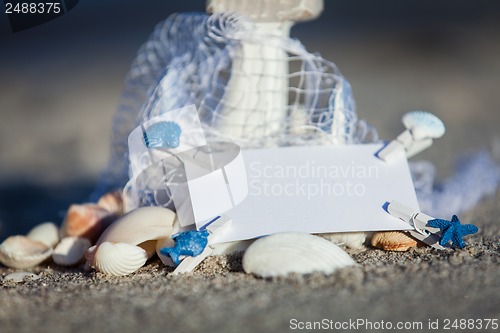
column 86, row 221
column 23, row 252
column 113, row 202
column 393, row 241
column 353, row 240
column 149, row 247
column 20, row 277
column 70, row 251
column 47, row 233
column 119, row 258
column 140, row 225
column 291, row 252
column 423, row 125
column 137, row 227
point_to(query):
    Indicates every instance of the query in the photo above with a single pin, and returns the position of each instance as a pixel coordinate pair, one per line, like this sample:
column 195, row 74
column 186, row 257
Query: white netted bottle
column 251, row 83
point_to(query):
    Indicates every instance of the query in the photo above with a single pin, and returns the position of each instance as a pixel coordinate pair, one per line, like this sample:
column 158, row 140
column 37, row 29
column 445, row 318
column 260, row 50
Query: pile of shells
column 83, row 225
column 111, row 242
column 118, row 244
column 130, row 241
column 30, row 250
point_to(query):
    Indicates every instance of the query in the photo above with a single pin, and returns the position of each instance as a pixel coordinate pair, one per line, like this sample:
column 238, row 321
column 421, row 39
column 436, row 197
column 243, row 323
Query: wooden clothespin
column 418, row 220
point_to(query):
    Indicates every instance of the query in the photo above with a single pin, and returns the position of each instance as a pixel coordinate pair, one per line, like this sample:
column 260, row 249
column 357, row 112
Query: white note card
column 319, row 189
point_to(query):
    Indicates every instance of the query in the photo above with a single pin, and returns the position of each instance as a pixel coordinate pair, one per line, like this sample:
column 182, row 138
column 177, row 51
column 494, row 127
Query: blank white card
column 318, row 190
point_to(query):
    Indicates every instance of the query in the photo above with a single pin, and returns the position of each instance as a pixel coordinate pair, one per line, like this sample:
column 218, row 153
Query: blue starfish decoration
column 187, row 243
column 453, row 230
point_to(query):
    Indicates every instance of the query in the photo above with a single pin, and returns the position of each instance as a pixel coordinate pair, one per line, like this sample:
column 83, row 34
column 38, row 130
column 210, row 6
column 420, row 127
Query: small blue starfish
column 187, row 243
column 453, row 230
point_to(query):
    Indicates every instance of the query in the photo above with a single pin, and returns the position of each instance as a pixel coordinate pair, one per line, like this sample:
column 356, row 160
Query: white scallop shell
column 284, row 253
column 20, row 277
column 47, row 233
column 119, row 258
column 424, row 125
column 140, row 225
column 70, row 251
column 23, row 252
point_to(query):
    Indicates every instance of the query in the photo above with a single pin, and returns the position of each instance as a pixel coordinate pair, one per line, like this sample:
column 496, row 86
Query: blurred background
column 60, row 84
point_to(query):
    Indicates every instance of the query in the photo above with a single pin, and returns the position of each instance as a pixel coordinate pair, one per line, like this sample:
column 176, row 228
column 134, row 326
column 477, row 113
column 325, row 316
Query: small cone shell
column 393, row 241
column 86, row 221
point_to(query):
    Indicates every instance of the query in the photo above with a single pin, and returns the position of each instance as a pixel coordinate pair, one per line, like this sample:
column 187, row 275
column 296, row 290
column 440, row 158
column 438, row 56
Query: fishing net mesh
column 252, row 88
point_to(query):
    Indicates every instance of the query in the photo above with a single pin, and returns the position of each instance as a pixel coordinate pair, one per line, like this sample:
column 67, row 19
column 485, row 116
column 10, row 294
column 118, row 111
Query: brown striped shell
column 112, row 201
column 393, row 241
column 86, row 221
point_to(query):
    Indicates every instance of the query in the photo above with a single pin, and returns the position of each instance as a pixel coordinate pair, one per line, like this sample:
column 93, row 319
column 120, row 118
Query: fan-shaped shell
column 23, row 252
column 140, row 225
column 119, row 258
column 392, row 241
column 112, row 201
column 70, row 251
column 86, row 221
column 285, row 253
column 47, row 233
column 424, row 125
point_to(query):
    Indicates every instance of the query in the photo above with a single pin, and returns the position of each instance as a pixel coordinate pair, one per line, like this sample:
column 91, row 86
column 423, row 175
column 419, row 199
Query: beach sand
column 56, row 121
column 414, row 286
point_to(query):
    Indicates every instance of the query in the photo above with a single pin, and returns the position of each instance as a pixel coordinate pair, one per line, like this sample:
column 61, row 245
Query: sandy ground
column 415, row 286
column 56, row 118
